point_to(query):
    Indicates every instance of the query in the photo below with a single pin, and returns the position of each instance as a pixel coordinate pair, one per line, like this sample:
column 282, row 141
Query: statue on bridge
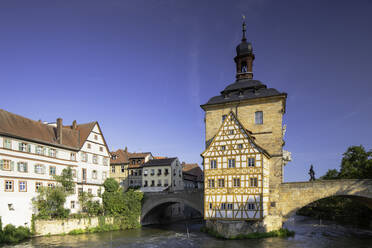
column 312, row 173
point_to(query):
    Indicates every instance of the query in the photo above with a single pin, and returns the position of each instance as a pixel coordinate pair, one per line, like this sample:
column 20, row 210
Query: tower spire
column 244, row 29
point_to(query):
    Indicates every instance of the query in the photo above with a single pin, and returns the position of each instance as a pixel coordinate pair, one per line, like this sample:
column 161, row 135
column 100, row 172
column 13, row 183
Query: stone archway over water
column 296, row 195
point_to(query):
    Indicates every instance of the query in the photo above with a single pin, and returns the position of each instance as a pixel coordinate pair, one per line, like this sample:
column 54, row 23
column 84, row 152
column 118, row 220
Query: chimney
column 59, row 130
column 126, row 149
column 74, row 125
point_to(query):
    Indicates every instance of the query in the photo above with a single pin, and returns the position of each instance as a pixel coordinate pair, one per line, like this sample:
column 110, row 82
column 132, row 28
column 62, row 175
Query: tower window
column 243, row 67
column 258, row 117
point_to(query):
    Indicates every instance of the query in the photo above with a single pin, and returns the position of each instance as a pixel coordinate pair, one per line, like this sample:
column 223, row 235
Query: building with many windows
column 244, row 157
column 162, row 174
column 119, row 163
column 32, row 152
column 136, row 161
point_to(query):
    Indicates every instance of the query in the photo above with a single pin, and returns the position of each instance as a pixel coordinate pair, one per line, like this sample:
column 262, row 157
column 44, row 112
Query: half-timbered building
column 236, row 174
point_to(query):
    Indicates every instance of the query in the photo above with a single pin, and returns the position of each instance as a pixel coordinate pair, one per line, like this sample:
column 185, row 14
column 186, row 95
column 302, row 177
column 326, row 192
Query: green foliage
column 88, row 205
column 66, row 180
column 50, row 203
column 126, row 207
column 111, row 185
column 356, row 164
column 12, row 235
column 103, row 228
column 330, row 175
column 339, row 209
column 283, row 232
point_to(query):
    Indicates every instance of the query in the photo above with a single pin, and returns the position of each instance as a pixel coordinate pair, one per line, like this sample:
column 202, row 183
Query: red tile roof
column 23, row 128
column 121, row 157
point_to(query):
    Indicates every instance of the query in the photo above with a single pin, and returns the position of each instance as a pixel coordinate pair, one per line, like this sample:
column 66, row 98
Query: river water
column 309, row 233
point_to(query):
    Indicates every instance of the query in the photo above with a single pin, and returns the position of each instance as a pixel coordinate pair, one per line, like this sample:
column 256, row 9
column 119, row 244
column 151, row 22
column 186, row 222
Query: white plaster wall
column 21, row 201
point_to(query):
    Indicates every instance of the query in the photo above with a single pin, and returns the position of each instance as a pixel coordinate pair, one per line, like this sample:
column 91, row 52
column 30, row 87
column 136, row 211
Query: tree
column 356, row 163
column 66, row 180
column 88, row 205
column 50, row 203
column 111, row 185
column 331, row 174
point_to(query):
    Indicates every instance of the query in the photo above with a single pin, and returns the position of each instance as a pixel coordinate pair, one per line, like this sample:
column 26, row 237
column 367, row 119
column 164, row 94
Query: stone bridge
column 296, row 195
column 153, row 201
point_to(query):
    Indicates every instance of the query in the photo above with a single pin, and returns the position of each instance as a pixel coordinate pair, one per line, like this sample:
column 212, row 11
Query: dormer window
column 258, row 117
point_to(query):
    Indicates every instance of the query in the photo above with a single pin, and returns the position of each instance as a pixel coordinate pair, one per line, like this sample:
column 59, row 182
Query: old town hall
column 244, row 156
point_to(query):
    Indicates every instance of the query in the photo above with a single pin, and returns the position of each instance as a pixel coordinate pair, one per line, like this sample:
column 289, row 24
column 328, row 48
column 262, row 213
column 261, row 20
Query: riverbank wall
column 54, row 227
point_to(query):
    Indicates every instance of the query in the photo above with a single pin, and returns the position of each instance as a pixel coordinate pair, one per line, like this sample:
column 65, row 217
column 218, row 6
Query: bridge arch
column 296, row 195
column 193, row 199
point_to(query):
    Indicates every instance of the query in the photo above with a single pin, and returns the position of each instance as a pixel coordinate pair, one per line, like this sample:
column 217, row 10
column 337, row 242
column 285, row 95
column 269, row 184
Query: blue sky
column 142, row 68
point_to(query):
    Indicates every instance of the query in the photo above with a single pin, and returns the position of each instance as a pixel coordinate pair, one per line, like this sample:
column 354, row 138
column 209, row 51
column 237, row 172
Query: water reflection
column 309, row 234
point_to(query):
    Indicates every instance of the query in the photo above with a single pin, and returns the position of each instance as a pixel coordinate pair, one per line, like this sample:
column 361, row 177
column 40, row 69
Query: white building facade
column 31, row 153
column 162, row 174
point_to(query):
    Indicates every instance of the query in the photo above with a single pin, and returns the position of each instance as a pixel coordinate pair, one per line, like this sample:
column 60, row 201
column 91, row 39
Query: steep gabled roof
column 245, row 131
column 23, row 128
column 121, row 157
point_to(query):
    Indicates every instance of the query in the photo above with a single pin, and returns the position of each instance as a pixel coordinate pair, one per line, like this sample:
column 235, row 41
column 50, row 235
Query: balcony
column 152, row 174
column 152, row 185
column 159, row 184
column 145, row 175
column 166, row 173
column 159, row 174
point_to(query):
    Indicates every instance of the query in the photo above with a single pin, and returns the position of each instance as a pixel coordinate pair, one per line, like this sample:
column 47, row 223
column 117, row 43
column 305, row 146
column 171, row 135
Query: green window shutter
column 18, row 166
column 26, row 167
column 19, row 146
column 43, row 169
column 35, row 168
column 29, row 147
column 11, row 165
column 1, row 164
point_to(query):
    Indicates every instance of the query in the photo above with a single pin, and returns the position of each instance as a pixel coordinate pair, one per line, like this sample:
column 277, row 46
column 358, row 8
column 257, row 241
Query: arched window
column 258, row 117
column 243, row 67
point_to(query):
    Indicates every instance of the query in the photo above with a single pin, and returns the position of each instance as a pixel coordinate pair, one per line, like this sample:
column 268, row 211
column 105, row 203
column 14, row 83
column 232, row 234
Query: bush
column 12, row 235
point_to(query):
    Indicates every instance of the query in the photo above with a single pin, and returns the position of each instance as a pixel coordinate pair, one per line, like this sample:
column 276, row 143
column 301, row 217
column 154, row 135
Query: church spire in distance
column 244, row 57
